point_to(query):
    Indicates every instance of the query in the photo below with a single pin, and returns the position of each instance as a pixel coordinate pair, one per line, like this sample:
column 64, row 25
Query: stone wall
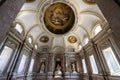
column 8, row 11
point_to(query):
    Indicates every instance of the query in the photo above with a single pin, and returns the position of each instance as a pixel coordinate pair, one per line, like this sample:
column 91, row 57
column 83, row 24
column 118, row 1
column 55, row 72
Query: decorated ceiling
column 60, row 25
column 59, row 18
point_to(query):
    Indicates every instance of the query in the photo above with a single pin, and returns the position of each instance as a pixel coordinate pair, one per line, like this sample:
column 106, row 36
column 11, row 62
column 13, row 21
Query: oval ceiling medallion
column 30, row 0
column 44, row 39
column 90, row 1
column 59, row 18
column 72, row 39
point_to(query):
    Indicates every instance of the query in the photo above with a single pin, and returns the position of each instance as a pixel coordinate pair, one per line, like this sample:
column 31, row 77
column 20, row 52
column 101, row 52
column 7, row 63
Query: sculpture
column 73, row 67
column 42, row 67
column 58, row 73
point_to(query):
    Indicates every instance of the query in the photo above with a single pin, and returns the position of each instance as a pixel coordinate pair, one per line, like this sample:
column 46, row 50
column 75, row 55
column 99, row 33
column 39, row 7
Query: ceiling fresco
column 59, row 18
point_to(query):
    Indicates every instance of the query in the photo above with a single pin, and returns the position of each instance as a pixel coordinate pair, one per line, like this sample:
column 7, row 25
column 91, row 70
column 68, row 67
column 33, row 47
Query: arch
column 26, row 11
column 88, row 34
column 32, row 27
column 93, row 13
column 59, row 49
column 45, row 46
column 69, row 47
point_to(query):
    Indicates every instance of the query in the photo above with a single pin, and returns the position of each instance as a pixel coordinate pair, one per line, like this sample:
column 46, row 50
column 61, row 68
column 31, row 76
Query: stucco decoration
column 72, row 39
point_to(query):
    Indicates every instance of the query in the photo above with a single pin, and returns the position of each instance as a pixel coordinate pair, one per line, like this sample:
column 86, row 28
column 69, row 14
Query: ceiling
column 82, row 18
column 59, row 18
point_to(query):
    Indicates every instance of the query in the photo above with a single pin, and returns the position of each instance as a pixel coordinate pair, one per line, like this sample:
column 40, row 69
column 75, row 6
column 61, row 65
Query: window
column 5, row 57
column 31, row 65
column 19, row 28
column 80, row 47
column 112, row 62
column 86, row 40
column 22, row 64
column 84, row 66
column 93, row 64
column 30, row 40
column 97, row 29
column 36, row 46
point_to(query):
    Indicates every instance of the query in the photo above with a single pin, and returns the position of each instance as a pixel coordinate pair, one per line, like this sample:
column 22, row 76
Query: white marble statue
column 58, row 72
column 42, row 69
column 73, row 68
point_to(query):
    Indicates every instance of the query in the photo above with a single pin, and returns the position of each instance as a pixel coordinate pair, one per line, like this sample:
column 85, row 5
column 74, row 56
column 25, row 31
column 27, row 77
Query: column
column 89, row 69
column 67, row 66
column 99, row 62
column 51, row 64
column 64, row 63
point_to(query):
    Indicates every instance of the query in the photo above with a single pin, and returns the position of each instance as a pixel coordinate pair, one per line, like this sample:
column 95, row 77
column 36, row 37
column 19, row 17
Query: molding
column 26, row 11
column 32, row 27
column 93, row 13
column 89, row 3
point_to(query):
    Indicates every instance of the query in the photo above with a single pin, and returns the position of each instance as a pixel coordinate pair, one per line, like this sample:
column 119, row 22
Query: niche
column 58, row 68
column 73, row 67
column 42, row 66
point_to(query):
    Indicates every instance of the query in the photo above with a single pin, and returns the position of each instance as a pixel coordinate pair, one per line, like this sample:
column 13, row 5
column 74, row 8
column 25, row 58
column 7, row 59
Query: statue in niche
column 42, row 68
column 73, row 67
column 58, row 72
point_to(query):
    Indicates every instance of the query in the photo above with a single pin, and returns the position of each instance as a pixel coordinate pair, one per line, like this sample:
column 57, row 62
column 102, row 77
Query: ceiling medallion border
column 43, row 8
column 89, row 2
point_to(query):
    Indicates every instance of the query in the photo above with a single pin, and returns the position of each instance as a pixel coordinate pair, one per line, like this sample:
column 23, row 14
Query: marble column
column 51, row 65
column 67, row 66
column 64, row 63
column 87, row 60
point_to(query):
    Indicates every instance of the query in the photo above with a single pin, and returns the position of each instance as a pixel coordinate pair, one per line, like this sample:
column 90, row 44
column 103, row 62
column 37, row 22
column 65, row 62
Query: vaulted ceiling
column 33, row 15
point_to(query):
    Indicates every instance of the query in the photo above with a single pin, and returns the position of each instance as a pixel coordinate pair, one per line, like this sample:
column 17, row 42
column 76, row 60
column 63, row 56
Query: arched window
column 29, row 40
column 19, row 28
column 97, row 29
column 36, row 46
column 86, row 40
column 80, row 47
